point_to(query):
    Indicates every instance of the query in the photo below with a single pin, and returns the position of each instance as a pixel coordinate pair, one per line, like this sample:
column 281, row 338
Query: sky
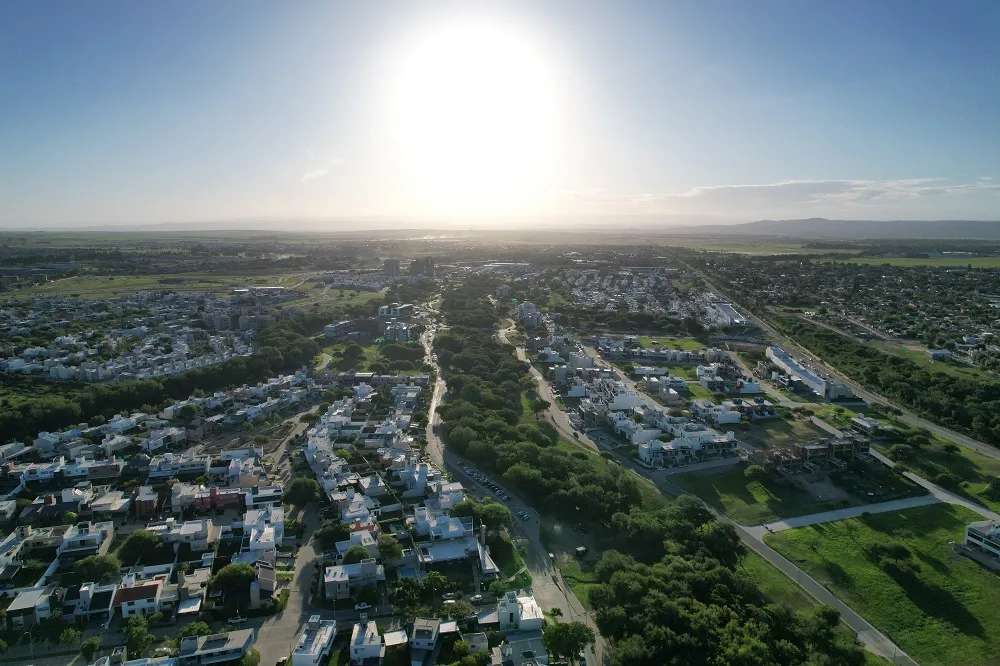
column 433, row 113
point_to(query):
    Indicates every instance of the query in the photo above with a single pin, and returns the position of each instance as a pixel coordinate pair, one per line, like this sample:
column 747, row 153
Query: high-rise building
column 391, row 268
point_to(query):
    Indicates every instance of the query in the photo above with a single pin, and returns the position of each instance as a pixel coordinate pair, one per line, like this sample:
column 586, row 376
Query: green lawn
column 105, row 286
column 670, row 342
column 751, row 502
column 779, row 433
column 579, row 578
column 920, row 357
column 943, row 613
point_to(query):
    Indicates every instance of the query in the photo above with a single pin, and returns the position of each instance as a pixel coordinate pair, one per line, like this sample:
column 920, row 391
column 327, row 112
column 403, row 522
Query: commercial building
column 338, row 329
column 827, row 387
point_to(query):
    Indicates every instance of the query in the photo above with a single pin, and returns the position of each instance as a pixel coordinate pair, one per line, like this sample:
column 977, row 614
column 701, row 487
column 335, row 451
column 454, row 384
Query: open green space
column 920, row 357
column 950, row 465
column 376, row 357
column 938, row 606
column 105, row 286
column 750, row 502
column 779, row 433
column 670, row 342
column 943, row 262
column 753, row 246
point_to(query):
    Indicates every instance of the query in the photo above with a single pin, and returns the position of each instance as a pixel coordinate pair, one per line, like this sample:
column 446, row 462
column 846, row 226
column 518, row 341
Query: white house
column 366, row 643
column 312, row 648
column 519, row 612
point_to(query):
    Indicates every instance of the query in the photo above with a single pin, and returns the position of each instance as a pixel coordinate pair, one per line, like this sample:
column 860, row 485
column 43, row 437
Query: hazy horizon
column 516, row 113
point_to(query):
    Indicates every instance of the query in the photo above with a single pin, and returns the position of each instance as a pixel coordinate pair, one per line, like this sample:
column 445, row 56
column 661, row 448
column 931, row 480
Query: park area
column 900, row 573
column 669, row 342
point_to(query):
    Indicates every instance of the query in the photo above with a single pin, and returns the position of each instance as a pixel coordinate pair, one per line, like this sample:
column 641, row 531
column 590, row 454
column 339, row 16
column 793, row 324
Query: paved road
column 841, row 514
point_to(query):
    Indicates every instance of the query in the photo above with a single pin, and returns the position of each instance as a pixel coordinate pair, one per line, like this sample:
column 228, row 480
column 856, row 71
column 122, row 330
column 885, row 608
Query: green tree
column 405, row 594
column 389, row 548
column 329, row 533
column 355, row 554
column 233, row 578
column 261, row 440
column 90, row 648
column 97, row 568
column 186, row 413
column 754, row 472
column 142, row 544
column 3, row 646
column 498, row 588
column 137, row 637
column 302, row 491
column 70, row 636
column 196, row 629
column 71, row 517
column 567, row 639
column 251, row 658
column 434, row 583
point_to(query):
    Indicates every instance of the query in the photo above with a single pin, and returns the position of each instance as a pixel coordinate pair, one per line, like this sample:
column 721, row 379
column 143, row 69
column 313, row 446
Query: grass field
column 755, row 246
column 751, row 502
column 943, row 613
column 942, row 262
column 920, row 357
column 779, row 433
column 670, row 342
column 105, row 286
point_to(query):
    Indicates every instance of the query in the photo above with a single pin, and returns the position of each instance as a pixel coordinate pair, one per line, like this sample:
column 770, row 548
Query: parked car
column 476, row 598
column 447, row 596
column 236, row 620
column 361, row 605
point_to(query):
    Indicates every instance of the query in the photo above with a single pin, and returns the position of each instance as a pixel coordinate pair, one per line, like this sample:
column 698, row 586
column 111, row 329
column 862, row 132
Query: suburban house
column 134, row 597
column 312, row 647
column 340, row 580
column 366, row 643
column 214, row 648
column 33, row 605
column 518, row 611
column 984, row 535
column 425, row 633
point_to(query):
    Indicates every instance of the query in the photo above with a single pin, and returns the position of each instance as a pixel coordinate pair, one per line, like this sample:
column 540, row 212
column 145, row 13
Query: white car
column 361, row 605
column 476, row 598
column 236, row 620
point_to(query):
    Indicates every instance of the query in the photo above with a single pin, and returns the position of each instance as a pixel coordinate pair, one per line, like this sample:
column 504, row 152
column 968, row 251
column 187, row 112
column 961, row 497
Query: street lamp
column 31, row 642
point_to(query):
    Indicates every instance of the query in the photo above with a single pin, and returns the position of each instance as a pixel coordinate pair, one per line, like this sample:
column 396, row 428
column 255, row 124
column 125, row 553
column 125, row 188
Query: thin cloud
column 322, row 171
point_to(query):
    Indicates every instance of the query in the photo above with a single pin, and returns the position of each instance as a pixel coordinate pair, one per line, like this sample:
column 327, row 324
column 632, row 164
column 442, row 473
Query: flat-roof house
column 340, row 580
column 313, row 645
column 366, row 644
column 214, row 648
column 31, row 606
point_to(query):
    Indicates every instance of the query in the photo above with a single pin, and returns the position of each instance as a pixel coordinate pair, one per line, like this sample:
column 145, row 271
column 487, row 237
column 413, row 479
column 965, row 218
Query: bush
column 90, row 648
column 754, row 472
column 70, row 636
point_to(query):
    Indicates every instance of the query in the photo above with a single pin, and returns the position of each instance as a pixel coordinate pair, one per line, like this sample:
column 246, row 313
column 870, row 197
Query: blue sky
column 125, row 113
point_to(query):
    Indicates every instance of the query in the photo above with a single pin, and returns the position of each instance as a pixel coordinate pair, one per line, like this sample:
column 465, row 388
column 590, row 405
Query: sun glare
column 474, row 118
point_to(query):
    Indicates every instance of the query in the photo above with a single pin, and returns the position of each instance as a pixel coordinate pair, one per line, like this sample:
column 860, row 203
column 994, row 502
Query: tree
column 233, row 578
column 97, row 568
column 458, row 610
column 434, row 583
column 355, row 554
column 142, row 544
column 196, row 629
column 137, row 637
column 310, row 418
column 302, row 491
column 90, row 648
column 71, row 517
column 567, row 639
column 261, row 440
column 70, row 636
column 389, row 548
column 186, row 413
column 950, row 448
column 497, row 588
column 754, row 472
column 405, row 593
column 4, row 646
column 329, row 533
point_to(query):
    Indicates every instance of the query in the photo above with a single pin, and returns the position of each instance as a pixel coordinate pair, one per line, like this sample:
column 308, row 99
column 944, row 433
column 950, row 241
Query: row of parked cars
column 486, row 481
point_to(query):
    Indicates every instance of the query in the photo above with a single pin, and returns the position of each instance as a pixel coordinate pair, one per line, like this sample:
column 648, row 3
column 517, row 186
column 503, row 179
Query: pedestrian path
column 841, row 514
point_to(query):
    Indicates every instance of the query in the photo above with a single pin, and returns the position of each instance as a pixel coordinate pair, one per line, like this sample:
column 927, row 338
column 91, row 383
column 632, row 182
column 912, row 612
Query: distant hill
column 818, row 227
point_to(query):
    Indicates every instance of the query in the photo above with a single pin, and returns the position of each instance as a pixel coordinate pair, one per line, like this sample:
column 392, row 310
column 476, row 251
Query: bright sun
column 474, row 118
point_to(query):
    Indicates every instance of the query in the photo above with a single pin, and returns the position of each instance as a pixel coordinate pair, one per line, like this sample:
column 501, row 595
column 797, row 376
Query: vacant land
column 753, row 501
column 670, row 342
column 919, row 355
column 107, row 286
column 938, row 606
column 943, row 262
column 750, row 502
column 779, row 433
